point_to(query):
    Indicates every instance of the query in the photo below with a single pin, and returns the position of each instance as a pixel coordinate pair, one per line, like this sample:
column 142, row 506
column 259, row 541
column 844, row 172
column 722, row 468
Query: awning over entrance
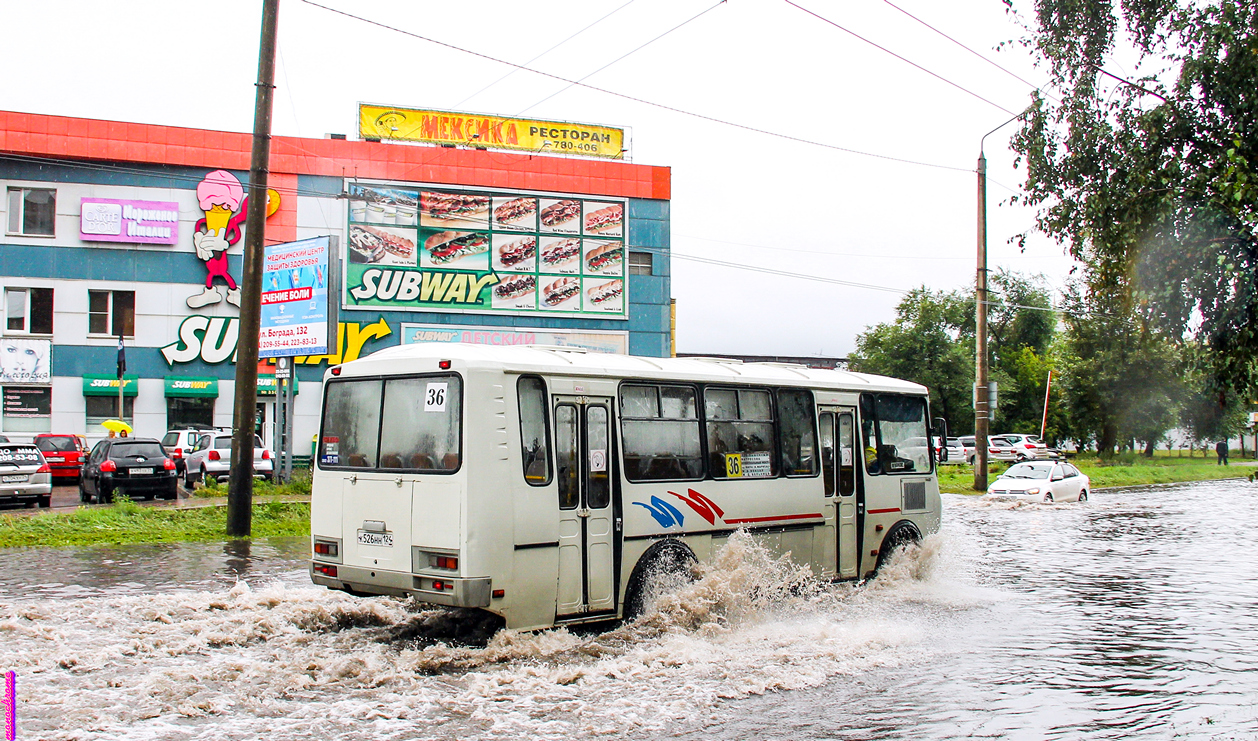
column 108, row 386
column 185, row 386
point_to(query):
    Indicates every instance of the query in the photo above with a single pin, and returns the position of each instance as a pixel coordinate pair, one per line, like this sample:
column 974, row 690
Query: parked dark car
column 24, row 475
column 128, row 465
column 64, row 453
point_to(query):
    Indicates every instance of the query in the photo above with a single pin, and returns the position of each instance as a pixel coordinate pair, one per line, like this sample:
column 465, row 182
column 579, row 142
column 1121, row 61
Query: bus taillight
column 325, row 549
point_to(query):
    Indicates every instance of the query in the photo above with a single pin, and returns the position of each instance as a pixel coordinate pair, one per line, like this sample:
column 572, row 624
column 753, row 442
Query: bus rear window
column 409, row 423
column 420, row 429
column 351, row 424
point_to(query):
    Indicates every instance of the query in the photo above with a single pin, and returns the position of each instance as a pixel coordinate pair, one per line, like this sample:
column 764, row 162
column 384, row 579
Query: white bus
column 544, row 484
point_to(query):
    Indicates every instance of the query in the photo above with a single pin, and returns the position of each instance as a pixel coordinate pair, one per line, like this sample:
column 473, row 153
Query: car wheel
column 1048, row 497
column 1019, row 457
column 970, row 460
column 45, row 502
column 205, row 477
column 1083, row 495
column 83, row 497
column 172, row 492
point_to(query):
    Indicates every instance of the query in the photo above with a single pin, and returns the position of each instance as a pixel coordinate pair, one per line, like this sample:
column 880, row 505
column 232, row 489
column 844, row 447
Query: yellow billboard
column 494, row 132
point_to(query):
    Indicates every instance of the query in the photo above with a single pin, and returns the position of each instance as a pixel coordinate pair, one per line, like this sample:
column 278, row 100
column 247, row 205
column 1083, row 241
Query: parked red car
column 65, row 454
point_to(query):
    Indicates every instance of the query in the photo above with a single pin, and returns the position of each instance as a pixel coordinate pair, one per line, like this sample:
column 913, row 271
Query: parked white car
column 1026, row 446
column 212, row 458
column 1041, row 481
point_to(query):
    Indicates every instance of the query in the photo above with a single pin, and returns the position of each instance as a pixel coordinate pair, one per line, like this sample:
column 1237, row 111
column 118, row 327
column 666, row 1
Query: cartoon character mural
column 223, row 200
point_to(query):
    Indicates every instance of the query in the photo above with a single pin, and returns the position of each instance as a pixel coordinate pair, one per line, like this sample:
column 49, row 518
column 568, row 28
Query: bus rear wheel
column 665, row 566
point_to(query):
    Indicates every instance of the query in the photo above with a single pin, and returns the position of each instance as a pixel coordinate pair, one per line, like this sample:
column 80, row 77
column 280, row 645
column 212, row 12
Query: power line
column 623, row 96
column 622, row 56
column 539, row 56
column 897, row 56
column 819, row 252
column 975, row 53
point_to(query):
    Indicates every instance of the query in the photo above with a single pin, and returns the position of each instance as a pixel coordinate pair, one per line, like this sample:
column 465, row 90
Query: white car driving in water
column 1041, row 481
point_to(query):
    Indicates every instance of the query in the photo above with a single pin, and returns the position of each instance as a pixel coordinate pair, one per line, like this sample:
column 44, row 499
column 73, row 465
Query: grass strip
column 127, row 522
column 1123, row 471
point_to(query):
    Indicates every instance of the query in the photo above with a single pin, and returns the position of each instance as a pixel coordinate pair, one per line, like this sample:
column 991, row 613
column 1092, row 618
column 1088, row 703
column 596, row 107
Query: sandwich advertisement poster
column 437, row 248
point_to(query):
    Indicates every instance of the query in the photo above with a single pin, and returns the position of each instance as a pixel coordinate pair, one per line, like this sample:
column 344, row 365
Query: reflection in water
column 237, row 552
column 144, row 569
column 1130, row 616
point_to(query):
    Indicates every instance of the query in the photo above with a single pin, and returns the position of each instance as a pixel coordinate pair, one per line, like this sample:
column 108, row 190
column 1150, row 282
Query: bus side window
column 847, row 458
column 742, row 441
column 795, row 427
column 533, row 430
column 827, row 452
column 599, row 481
column 567, row 455
column 659, row 432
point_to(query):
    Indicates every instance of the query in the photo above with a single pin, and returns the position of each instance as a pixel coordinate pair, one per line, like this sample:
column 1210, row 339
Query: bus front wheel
column 665, row 566
column 900, row 535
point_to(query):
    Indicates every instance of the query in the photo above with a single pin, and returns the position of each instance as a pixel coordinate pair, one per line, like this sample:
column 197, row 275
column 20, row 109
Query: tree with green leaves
column 1119, row 377
column 922, row 346
column 1149, row 176
column 931, row 342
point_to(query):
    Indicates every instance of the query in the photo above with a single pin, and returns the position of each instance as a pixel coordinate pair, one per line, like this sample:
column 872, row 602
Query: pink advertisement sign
column 133, row 222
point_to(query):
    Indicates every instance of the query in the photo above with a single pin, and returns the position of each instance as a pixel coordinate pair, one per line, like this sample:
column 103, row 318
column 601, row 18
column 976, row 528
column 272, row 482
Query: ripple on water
column 1130, row 616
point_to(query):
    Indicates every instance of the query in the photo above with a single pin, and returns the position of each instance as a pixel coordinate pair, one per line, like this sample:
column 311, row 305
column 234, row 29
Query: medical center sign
column 295, row 310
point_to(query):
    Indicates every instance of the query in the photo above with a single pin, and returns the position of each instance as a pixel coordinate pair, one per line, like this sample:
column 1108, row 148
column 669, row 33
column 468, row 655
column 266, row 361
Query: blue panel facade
column 162, row 277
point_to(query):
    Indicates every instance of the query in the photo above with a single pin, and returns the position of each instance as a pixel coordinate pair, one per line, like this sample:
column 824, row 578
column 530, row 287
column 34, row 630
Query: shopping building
column 136, row 230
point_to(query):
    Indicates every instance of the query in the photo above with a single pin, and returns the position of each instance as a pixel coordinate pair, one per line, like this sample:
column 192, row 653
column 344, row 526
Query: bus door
column 838, row 446
column 584, row 460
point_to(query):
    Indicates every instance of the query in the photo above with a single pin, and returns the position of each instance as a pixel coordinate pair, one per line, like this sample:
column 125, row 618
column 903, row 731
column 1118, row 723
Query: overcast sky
column 752, row 199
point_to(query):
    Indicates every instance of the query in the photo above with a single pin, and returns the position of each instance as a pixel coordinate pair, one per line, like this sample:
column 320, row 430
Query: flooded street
column 1134, row 615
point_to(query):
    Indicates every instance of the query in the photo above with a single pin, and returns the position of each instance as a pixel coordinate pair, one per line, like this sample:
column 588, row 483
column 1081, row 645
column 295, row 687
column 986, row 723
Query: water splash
column 209, row 664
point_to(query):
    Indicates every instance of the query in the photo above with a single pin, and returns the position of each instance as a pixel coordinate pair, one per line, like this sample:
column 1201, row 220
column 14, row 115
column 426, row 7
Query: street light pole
column 982, row 388
column 240, row 486
column 981, row 396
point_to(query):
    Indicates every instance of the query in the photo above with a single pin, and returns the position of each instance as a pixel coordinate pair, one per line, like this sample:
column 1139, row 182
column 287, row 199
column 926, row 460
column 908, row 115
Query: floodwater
column 1134, row 615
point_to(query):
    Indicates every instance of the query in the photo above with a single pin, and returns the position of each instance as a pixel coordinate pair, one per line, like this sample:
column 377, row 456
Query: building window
column 32, row 211
column 28, row 310
column 101, row 408
column 640, row 263
column 184, row 412
column 111, row 313
column 27, row 409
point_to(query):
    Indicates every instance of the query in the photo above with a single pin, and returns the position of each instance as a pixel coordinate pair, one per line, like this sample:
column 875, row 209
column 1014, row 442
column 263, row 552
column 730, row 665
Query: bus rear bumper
column 454, row 591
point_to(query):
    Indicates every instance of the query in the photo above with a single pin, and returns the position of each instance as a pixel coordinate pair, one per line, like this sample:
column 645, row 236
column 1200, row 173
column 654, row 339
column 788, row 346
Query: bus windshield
column 400, row 423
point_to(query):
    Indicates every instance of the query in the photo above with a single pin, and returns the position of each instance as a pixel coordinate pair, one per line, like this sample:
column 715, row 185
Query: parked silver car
column 24, row 475
column 956, row 452
column 211, row 458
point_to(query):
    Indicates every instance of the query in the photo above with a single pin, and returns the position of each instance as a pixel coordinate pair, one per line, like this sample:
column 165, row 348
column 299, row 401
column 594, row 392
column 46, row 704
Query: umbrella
column 116, row 425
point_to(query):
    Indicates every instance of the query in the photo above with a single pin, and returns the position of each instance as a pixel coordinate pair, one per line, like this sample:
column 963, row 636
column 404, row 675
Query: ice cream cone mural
column 223, row 200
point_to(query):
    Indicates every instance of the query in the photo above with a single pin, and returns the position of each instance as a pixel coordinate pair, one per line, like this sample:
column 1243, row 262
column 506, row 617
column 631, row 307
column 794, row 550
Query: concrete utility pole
column 240, row 488
column 981, row 418
column 982, row 387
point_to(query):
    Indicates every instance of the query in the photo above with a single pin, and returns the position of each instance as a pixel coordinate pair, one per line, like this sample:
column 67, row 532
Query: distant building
column 811, row 362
